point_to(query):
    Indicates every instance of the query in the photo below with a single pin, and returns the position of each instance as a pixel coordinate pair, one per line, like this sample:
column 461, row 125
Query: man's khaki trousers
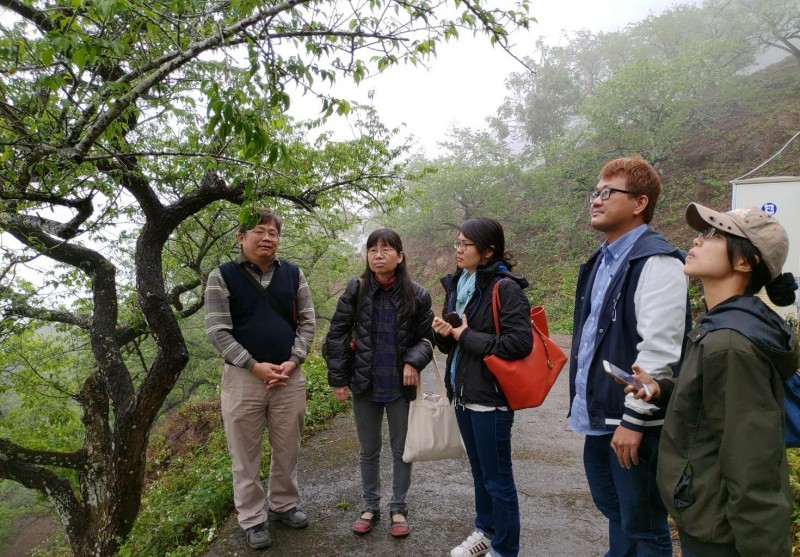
column 247, row 407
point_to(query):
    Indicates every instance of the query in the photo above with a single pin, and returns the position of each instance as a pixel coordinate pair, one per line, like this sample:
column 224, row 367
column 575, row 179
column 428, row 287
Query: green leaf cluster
column 40, row 376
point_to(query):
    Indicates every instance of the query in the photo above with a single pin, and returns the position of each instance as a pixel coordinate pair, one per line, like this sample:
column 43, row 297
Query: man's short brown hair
column 640, row 177
column 265, row 216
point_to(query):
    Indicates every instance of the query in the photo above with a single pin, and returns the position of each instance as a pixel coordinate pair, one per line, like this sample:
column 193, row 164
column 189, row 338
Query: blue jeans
column 487, row 438
column 637, row 519
column 369, row 426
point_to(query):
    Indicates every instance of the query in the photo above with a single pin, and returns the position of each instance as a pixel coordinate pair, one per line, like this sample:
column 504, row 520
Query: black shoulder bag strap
column 279, row 309
column 359, row 305
column 359, row 299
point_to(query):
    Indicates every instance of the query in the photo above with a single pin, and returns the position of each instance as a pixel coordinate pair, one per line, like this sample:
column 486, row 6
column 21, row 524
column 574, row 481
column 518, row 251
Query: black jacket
column 474, row 382
column 354, row 370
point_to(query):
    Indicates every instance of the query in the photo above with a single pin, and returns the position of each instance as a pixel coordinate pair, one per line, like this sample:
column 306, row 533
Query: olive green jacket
column 722, row 469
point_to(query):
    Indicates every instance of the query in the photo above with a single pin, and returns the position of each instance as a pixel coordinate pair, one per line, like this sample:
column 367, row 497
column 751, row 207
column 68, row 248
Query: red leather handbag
column 526, row 381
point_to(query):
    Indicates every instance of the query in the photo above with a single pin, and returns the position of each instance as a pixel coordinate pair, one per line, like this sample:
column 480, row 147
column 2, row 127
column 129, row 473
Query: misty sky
column 465, row 83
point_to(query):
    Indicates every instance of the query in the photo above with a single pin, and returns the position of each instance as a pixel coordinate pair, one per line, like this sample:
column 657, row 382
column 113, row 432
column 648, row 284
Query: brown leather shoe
column 400, row 528
column 364, row 525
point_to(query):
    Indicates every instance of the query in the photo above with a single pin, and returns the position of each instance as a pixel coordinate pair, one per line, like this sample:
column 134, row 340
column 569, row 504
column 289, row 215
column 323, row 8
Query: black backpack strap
column 279, row 309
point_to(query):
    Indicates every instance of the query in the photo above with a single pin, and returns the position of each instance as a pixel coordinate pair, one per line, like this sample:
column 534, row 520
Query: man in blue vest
column 631, row 306
column 260, row 317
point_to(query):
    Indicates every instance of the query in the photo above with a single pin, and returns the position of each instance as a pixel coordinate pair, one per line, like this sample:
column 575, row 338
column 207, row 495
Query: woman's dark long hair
column 780, row 290
column 390, row 238
column 488, row 235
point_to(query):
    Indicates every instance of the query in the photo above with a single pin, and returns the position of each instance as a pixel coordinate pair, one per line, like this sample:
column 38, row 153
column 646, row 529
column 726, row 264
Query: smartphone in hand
column 622, row 375
column 453, row 319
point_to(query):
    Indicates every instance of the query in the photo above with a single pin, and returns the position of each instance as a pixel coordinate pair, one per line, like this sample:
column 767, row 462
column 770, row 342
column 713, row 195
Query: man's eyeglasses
column 709, row 233
column 605, row 193
column 461, row 246
column 259, row 233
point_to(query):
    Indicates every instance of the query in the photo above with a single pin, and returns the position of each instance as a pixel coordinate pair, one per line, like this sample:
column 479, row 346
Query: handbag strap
column 439, row 381
column 496, row 315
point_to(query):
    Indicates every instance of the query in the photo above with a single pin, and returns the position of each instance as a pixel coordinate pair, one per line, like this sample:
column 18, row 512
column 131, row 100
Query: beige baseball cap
column 763, row 231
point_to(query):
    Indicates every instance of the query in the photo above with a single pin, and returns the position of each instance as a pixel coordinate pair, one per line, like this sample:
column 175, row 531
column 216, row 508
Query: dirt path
column 558, row 516
column 33, row 531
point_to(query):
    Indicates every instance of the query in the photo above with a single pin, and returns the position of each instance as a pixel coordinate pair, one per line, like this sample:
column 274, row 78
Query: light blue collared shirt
column 612, row 256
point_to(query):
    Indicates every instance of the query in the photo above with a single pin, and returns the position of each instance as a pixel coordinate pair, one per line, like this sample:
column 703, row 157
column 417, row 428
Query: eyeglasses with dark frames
column 461, row 246
column 605, row 193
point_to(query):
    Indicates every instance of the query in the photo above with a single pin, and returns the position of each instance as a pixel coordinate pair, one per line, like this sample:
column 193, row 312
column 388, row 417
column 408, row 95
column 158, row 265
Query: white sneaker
column 476, row 544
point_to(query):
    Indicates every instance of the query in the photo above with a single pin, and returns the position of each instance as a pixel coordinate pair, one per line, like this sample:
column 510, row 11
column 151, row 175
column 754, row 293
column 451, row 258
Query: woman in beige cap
column 722, row 469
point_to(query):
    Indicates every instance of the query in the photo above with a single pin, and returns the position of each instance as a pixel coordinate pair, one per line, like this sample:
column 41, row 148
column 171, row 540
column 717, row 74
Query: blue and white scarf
column 464, row 292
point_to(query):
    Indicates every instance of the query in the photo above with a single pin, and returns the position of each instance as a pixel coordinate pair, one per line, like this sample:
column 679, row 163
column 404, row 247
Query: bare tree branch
column 20, row 308
column 11, row 452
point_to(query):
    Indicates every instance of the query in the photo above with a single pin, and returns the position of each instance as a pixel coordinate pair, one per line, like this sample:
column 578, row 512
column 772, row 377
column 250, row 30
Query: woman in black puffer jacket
column 484, row 418
column 391, row 317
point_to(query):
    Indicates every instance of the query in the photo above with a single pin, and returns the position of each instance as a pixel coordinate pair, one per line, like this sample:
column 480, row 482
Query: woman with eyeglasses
column 466, row 335
column 722, row 469
column 378, row 342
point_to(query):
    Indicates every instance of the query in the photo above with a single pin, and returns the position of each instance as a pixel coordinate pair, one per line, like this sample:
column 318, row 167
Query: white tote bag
column 432, row 428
